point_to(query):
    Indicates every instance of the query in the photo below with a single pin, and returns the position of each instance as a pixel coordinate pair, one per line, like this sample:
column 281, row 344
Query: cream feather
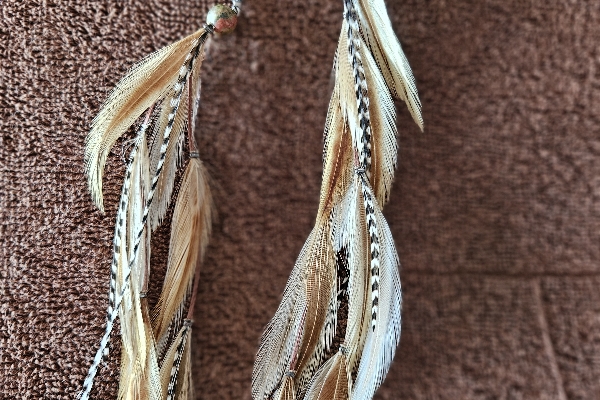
column 380, row 344
column 381, row 40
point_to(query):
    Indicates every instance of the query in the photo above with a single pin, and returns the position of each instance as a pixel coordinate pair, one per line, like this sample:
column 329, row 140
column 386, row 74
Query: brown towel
column 495, row 209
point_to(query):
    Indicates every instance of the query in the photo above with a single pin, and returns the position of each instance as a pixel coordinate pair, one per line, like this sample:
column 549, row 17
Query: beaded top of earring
column 223, row 18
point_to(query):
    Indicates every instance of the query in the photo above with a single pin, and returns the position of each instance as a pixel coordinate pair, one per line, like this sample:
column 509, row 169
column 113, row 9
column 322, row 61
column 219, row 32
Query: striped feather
column 173, row 369
column 119, row 242
column 174, row 154
column 380, row 345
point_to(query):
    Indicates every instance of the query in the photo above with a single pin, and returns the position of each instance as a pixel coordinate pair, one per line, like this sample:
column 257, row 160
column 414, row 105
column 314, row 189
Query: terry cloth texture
column 495, row 209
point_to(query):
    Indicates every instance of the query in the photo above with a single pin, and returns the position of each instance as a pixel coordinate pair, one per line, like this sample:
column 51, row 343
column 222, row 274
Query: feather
column 119, row 241
column 337, row 157
column 381, row 40
column 176, row 361
column 332, row 380
column 351, row 239
column 319, row 272
column 189, row 236
column 280, row 341
column 326, row 334
column 145, row 83
column 348, row 345
column 380, row 345
column 286, row 390
column 157, row 84
column 174, row 154
column 140, row 377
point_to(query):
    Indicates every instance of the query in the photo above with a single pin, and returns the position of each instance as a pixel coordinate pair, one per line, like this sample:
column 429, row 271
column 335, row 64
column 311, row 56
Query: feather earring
column 336, row 330
column 155, row 356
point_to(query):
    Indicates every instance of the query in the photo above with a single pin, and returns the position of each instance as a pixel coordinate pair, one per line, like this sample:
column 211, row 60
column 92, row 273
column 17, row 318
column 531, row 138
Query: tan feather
column 176, row 364
column 337, row 158
column 189, row 236
column 332, row 381
column 145, row 83
column 280, row 341
column 174, row 154
column 318, row 277
column 140, row 374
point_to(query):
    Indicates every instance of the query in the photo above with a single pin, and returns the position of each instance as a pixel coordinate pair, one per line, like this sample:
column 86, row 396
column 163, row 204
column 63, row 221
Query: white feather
column 387, row 51
column 380, row 345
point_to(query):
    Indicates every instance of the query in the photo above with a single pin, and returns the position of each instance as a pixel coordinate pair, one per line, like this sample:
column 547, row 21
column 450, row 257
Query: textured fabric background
column 495, row 210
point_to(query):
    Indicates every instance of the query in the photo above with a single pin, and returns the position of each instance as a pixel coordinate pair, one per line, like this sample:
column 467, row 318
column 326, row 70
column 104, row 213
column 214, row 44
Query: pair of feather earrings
column 337, row 328
column 155, row 356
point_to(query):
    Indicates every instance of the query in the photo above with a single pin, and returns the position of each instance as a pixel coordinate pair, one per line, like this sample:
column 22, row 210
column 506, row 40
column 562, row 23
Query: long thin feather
column 380, row 345
column 174, row 154
column 385, row 46
column 319, row 277
column 170, row 370
column 119, row 241
column 133, row 335
column 189, row 236
column 280, row 341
